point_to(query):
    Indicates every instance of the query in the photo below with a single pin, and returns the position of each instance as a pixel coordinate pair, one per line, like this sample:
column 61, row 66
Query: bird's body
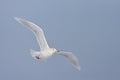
column 45, row 51
column 43, row 54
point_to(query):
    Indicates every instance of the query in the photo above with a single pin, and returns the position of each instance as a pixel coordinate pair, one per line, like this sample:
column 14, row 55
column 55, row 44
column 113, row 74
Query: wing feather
column 72, row 58
column 37, row 31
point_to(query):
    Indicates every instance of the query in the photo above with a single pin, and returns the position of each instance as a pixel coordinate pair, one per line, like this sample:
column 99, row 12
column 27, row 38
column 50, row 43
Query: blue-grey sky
column 88, row 28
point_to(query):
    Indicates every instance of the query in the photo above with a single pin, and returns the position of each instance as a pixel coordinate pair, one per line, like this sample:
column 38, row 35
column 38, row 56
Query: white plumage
column 46, row 52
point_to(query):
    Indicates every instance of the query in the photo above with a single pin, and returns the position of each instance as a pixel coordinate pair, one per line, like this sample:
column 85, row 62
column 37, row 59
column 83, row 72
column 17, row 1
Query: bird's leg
column 37, row 57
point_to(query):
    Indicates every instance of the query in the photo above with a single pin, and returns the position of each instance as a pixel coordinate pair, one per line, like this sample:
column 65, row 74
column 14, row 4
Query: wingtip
column 16, row 18
column 20, row 20
column 78, row 68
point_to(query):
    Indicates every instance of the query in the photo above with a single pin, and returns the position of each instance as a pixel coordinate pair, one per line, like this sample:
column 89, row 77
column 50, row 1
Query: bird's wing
column 36, row 30
column 72, row 58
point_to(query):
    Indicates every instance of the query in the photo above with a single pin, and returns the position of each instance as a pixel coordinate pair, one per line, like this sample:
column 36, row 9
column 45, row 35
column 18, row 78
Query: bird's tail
column 33, row 53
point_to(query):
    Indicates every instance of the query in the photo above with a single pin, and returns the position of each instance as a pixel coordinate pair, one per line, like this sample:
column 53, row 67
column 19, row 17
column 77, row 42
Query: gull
column 45, row 51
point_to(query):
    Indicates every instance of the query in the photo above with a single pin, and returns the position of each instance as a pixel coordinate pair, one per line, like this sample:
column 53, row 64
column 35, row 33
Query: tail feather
column 34, row 53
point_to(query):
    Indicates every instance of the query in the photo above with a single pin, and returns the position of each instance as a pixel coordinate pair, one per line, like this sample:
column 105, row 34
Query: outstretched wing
column 72, row 58
column 37, row 31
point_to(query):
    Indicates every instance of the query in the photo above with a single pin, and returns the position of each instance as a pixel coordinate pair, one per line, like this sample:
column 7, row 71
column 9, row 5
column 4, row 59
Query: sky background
column 88, row 28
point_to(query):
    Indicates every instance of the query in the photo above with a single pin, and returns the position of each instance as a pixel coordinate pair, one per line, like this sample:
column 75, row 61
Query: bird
column 45, row 51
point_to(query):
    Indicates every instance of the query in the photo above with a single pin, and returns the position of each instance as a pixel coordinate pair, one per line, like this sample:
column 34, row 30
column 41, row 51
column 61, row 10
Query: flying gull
column 45, row 51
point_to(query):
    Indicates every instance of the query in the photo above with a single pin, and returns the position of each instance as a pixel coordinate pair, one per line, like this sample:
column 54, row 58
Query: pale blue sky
column 88, row 28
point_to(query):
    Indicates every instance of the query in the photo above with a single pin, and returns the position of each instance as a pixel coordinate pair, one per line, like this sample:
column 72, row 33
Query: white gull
column 45, row 51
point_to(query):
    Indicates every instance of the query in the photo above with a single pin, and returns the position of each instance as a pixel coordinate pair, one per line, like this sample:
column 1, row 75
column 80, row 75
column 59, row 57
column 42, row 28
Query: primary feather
column 72, row 58
column 37, row 31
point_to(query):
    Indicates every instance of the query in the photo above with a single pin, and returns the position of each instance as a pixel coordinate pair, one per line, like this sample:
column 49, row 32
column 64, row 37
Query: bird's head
column 54, row 50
